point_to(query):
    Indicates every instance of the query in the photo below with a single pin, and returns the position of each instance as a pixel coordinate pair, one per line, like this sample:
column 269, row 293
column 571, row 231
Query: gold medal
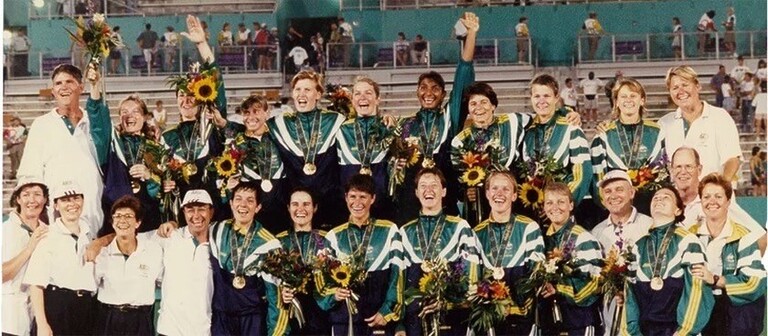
column 190, row 168
column 135, row 186
column 656, row 283
column 266, row 185
column 238, row 282
column 498, row 273
column 365, row 171
column 428, row 163
column 309, row 169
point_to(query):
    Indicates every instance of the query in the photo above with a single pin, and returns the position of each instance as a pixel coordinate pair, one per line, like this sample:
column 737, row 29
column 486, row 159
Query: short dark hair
column 17, row 193
column 755, row 150
column 678, row 202
column 304, row 190
column 128, row 202
column 436, row 77
column 116, row 28
column 546, row 80
column 718, row 180
column 522, row 18
column 254, row 100
column 478, row 88
column 361, row 182
column 68, row 69
column 434, row 171
column 148, row 26
column 245, row 186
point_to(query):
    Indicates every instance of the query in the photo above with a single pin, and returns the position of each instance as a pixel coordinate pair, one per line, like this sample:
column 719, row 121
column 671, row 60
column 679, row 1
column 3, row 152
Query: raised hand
column 195, row 32
column 471, row 22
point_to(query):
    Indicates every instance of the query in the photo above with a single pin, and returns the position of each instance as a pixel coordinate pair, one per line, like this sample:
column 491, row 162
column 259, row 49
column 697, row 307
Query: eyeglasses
column 126, row 216
column 687, row 168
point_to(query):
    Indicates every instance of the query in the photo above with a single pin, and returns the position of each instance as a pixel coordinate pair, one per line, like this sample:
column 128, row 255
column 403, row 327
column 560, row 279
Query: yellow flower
column 226, row 165
column 531, row 196
column 414, row 159
column 473, row 176
column 341, row 275
column 205, row 90
column 425, row 281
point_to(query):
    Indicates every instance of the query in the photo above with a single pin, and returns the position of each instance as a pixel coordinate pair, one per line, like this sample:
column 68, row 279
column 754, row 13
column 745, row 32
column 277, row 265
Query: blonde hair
column 683, row 71
column 311, row 75
column 634, row 86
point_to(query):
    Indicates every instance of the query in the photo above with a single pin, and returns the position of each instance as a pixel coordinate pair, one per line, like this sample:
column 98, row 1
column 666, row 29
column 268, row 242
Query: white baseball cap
column 196, row 196
column 67, row 188
column 27, row 180
column 613, row 175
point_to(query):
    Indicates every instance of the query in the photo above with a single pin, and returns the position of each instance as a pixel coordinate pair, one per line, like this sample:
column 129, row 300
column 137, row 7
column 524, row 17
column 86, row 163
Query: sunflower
column 341, row 275
column 531, row 196
column 204, row 90
column 226, row 165
column 414, row 158
column 425, row 282
column 473, row 176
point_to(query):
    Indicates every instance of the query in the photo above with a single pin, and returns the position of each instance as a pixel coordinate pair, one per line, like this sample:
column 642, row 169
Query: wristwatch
column 716, row 278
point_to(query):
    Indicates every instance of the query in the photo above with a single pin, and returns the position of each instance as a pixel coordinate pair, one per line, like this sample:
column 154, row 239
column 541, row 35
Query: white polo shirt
column 17, row 312
column 695, row 214
column 713, row 135
column 187, row 288
column 607, row 233
column 129, row 280
column 59, row 259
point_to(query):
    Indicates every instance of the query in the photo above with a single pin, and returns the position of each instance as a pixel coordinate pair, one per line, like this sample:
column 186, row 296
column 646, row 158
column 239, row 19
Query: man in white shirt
column 568, row 94
column 623, row 227
column 739, row 70
column 20, row 45
column 590, row 86
column 709, row 130
column 347, row 38
column 170, row 47
column 61, row 283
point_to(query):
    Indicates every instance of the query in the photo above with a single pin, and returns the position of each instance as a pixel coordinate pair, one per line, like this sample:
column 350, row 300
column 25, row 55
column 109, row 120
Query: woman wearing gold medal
column 501, row 238
column 306, row 142
column 666, row 298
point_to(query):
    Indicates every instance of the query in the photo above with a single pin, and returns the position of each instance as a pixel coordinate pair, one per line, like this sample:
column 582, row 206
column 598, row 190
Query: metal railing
column 669, row 46
column 417, row 4
column 51, row 9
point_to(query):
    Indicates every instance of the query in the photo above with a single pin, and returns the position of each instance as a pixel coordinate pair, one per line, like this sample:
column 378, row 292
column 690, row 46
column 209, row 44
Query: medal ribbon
column 500, row 247
column 355, row 248
column 133, row 159
column 657, row 258
column 262, row 153
column 427, row 145
column 364, row 148
column 428, row 248
column 238, row 262
column 543, row 143
column 630, row 152
column 310, row 248
column 309, row 150
column 186, row 143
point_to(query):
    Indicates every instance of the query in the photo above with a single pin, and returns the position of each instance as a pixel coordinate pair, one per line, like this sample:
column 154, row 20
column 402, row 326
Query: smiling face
column 685, row 170
column 684, row 93
column 430, row 192
column 430, row 94
column 254, row 118
column 302, row 210
column 501, row 193
column 544, row 101
column 481, row 110
column 70, row 207
column 359, row 204
column 244, row 206
column 305, row 95
column 557, row 207
column 131, row 117
column 664, row 206
column 714, row 201
column 186, row 104
column 66, row 89
column 124, row 222
column 198, row 217
column 365, row 100
column 629, row 103
column 618, row 196
column 31, row 201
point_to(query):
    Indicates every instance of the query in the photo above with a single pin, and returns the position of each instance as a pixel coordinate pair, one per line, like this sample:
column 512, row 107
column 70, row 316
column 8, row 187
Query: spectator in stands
column 317, row 53
column 695, row 123
column 15, row 136
column 747, row 92
column 160, row 115
column 419, row 50
column 243, row 35
column 737, row 75
column 81, row 7
column 716, row 84
column 224, row 38
column 757, row 172
column 273, row 45
column 522, row 34
column 347, row 38
column 300, row 58
column 261, row 42
column 726, row 88
column 20, row 45
column 760, row 105
column 115, row 56
column 147, row 41
column 170, row 48
column 569, row 96
column 730, row 37
column 593, row 29
column 677, row 38
column 589, row 87
column 22, row 233
column 334, row 39
column 401, row 49
column 609, row 87
column 706, row 24
column 762, row 74
column 70, row 143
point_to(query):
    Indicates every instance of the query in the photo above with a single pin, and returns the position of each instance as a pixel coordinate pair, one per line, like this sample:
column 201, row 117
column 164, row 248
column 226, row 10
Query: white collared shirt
column 17, row 313
column 59, row 259
column 129, row 280
column 713, row 135
column 607, row 232
column 713, row 248
column 187, row 288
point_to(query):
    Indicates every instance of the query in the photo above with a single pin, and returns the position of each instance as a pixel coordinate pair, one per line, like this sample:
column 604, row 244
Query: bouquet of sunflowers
column 202, row 84
column 618, row 268
column 489, row 299
column 476, row 159
column 441, row 283
column 95, row 36
column 404, row 146
column 559, row 265
column 534, row 176
column 226, row 165
column 348, row 272
column 292, row 272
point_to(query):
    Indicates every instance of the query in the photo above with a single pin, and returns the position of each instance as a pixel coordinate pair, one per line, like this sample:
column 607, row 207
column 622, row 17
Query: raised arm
column 98, row 115
column 472, row 23
column 196, row 35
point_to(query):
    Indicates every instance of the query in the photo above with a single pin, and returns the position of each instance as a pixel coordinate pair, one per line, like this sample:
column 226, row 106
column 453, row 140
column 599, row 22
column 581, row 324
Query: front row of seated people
column 707, row 279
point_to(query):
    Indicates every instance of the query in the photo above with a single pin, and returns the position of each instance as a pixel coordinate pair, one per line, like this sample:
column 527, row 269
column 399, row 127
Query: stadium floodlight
column 38, row 3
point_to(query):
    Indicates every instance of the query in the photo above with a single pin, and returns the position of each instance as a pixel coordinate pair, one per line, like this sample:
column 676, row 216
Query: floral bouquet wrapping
column 650, row 177
column 477, row 160
column 403, row 147
column 617, row 269
column 534, row 176
column 173, row 170
column 348, row 272
column 558, row 265
column 489, row 300
column 95, row 36
column 292, row 272
column 204, row 86
column 441, row 283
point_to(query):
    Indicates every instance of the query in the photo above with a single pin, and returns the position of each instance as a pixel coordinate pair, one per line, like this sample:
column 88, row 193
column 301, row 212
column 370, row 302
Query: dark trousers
column 231, row 324
column 124, row 320
column 69, row 312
